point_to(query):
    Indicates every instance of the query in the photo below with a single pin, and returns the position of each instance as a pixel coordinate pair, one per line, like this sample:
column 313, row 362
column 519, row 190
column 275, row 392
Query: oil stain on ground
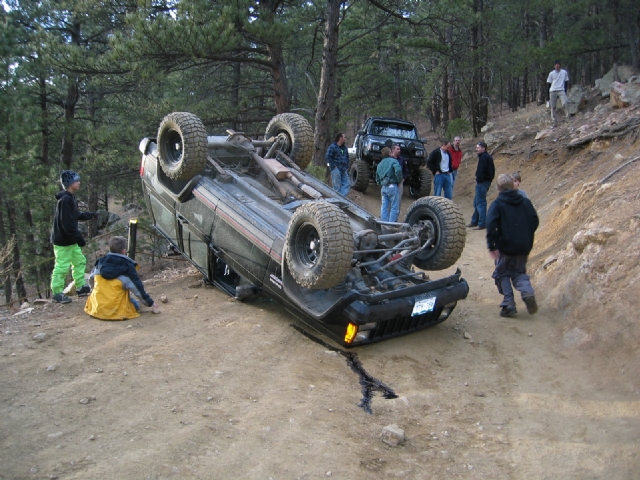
column 368, row 384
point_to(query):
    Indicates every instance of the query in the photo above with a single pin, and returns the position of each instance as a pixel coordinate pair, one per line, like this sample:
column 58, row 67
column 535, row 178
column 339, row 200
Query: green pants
column 69, row 256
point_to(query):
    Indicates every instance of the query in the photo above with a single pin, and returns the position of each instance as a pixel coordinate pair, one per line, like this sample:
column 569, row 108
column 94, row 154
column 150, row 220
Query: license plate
column 423, row 306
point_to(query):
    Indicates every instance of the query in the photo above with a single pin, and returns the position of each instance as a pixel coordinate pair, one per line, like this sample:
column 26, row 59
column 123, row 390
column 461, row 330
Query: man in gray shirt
column 558, row 81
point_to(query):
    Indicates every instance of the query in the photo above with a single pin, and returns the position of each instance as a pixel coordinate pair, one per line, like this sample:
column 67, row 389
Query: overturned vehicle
column 251, row 220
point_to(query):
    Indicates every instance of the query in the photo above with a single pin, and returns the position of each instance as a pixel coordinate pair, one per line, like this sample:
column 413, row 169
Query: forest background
column 83, row 81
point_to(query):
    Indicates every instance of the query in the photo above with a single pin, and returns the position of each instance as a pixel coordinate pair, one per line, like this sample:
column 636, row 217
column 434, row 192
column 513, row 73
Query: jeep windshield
column 397, row 130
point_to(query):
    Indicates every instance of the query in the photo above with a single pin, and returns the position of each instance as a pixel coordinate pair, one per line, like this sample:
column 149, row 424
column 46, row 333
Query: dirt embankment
column 214, row 389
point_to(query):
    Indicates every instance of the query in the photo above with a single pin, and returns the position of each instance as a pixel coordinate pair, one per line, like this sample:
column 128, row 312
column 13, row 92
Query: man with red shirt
column 456, row 157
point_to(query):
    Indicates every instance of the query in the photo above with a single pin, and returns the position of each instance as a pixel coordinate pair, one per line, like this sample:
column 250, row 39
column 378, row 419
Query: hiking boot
column 532, row 306
column 508, row 311
column 60, row 298
column 471, row 225
column 83, row 291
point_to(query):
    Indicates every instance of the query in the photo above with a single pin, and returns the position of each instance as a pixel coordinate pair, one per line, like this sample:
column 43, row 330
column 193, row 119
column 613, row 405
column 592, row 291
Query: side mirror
column 361, row 132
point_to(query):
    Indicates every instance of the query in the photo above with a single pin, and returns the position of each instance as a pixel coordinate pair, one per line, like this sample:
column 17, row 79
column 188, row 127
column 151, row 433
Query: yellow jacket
column 109, row 300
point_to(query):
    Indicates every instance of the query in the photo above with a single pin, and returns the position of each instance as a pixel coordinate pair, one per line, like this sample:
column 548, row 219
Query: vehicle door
column 164, row 214
column 196, row 217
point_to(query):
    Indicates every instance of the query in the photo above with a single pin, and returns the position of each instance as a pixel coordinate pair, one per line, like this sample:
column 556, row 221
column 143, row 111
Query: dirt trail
column 215, row 389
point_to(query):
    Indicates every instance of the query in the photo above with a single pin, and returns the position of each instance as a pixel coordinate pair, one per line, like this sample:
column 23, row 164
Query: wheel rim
column 307, row 245
column 429, row 229
column 173, row 147
column 413, row 191
column 286, row 142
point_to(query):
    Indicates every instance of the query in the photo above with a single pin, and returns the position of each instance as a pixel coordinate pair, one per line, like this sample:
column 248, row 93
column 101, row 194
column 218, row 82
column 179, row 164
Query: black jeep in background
column 379, row 132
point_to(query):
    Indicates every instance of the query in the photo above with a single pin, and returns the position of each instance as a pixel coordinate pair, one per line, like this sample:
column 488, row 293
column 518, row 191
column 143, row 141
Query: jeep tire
column 297, row 134
column 182, row 145
column 424, row 179
column 448, row 228
column 319, row 245
column 359, row 174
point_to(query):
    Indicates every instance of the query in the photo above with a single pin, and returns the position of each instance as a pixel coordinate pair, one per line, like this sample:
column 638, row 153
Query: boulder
column 577, row 99
column 487, row 127
column 624, row 94
column 619, row 73
column 493, row 140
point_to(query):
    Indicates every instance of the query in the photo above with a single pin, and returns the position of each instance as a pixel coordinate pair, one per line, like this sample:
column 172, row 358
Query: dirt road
column 216, row 389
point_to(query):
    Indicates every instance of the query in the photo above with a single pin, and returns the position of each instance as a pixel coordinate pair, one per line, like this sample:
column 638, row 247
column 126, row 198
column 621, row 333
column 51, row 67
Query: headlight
column 375, row 148
column 419, row 153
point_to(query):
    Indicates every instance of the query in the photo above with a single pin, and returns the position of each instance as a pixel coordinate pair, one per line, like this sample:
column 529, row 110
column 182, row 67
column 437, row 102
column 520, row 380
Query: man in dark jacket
column 484, row 176
column 337, row 158
column 439, row 162
column 511, row 225
column 67, row 239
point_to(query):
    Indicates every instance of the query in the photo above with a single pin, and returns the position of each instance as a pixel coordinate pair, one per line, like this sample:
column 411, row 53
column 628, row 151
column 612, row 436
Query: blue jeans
column 455, row 175
column 479, row 216
column 340, row 181
column 136, row 304
column 443, row 182
column 512, row 269
column 390, row 208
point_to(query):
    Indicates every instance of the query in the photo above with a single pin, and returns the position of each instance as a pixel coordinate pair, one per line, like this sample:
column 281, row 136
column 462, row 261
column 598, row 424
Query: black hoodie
column 511, row 224
column 65, row 222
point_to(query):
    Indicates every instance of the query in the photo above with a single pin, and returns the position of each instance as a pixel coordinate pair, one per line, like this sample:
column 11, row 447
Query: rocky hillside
column 582, row 176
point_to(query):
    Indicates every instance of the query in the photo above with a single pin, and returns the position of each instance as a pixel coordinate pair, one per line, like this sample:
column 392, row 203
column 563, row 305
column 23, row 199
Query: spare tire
column 445, row 228
column 319, row 245
column 182, row 145
column 297, row 134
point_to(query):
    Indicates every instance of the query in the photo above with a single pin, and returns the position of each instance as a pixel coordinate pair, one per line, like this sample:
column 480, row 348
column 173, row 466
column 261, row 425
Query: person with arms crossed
column 484, row 176
column 439, row 163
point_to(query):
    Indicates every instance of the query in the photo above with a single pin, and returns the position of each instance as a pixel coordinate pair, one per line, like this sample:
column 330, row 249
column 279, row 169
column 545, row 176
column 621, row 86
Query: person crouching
column 115, row 278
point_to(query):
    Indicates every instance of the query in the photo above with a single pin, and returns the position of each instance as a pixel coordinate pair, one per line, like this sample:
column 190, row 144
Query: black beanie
column 68, row 177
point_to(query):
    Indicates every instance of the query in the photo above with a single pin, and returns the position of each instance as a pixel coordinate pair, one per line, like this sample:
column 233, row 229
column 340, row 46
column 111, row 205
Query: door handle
column 181, row 219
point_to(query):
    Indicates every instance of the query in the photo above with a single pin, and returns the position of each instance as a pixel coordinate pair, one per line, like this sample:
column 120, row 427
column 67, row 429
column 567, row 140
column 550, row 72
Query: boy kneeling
column 115, row 278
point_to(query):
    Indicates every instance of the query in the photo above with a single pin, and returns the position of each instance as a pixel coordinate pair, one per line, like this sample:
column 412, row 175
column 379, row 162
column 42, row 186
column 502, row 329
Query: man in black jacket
column 511, row 225
column 484, row 176
column 67, row 239
column 439, row 163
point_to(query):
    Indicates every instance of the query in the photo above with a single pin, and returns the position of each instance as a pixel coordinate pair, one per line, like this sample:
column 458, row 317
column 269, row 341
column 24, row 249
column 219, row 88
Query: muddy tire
column 447, row 231
column 182, row 145
column 359, row 175
column 423, row 189
column 297, row 134
column 319, row 245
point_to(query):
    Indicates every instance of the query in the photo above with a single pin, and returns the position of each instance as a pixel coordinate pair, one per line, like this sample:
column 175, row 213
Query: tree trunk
column 44, row 119
column 279, row 79
column 479, row 100
column 31, row 245
column 235, row 93
column 66, row 156
column 326, row 93
column 16, row 266
column 6, row 262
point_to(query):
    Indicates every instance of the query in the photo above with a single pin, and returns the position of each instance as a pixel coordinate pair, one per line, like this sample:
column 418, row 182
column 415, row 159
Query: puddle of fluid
column 368, row 384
